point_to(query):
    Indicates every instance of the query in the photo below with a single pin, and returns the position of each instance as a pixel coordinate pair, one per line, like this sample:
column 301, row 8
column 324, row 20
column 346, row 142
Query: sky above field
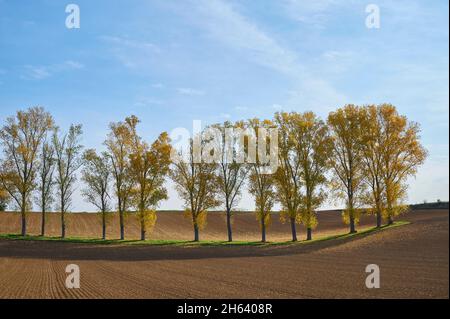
column 172, row 62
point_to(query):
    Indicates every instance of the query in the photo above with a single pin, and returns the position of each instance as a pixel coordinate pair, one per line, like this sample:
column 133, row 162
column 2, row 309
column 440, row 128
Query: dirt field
column 413, row 260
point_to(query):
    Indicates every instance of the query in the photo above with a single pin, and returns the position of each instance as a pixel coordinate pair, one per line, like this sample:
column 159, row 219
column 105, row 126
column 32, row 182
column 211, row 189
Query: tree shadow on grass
column 15, row 246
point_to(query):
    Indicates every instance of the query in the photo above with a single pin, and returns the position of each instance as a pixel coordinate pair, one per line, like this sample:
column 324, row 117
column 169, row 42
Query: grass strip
column 209, row 243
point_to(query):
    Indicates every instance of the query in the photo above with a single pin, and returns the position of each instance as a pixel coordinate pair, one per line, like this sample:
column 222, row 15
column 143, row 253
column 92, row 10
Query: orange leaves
column 147, row 170
column 197, row 184
column 392, row 152
column 4, row 198
column 260, row 183
column 347, row 162
column 198, row 218
column 147, row 219
column 304, row 153
column 377, row 148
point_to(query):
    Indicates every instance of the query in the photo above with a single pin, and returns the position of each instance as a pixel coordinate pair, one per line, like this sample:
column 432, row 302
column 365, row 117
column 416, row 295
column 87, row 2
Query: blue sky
column 172, row 62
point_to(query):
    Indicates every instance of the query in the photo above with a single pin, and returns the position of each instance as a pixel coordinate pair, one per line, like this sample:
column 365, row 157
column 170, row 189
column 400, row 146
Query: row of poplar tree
column 362, row 155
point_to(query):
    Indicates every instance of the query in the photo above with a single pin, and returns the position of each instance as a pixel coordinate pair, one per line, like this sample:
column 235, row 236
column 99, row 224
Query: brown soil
column 413, row 260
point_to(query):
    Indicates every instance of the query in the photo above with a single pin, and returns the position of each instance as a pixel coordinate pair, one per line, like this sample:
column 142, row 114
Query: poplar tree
column 21, row 137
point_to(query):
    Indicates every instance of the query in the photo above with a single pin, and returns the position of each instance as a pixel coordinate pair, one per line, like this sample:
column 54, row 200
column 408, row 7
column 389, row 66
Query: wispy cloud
column 315, row 95
column 131, row 52
column 338, row 61
column 313, row 13
column 41, row 72
column 158, row 86
column 244, row 36
column 36, row 72
column 71, row 65
column 148, row 101
column 257, row 46
column 127, row 42
column 333, row 55
column 190, row 92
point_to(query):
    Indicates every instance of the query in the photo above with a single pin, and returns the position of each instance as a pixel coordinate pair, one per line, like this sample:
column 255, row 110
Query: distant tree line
column 361, row 155
column 435, row 205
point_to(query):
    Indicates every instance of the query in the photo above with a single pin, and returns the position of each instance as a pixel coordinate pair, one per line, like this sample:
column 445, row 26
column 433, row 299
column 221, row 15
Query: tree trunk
column 43, row 223
column 196, row 234
column 122, row 230
column 23, row 215
column 63, row 210
column 390, row 220
column 103, row 226
column 293, row 229
column 143, row 230
column 378, row 219
column 352, row 225
column 63, row 225
column 309, row 234
column 263, row 231
column 24, row 223
column 230, row 232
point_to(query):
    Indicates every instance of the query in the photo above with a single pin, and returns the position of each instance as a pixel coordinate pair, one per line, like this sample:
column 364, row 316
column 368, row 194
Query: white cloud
column 338, row 62
column 41, row 72
column 72, row 65
column 190, row 92
column 313, row 13
column 315, row 95
column 132, row 53
column 127, row 42
column 148, row 101
column 334, row 55
column 158, row 86
column 255, row 45
column 37, row 72
column 234, row 30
